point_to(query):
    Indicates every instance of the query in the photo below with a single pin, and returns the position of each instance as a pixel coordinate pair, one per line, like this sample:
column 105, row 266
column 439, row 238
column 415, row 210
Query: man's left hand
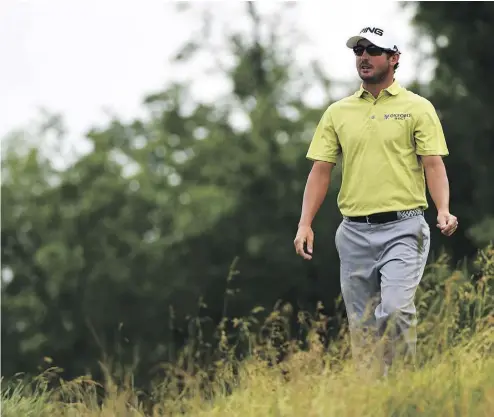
column 447, row 223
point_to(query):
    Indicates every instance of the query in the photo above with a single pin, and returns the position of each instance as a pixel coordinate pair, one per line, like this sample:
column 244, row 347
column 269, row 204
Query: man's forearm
column 315, row 192
column 438, row 185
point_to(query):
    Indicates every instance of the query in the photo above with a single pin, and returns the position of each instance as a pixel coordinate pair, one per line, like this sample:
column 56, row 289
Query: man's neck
column 375, row 89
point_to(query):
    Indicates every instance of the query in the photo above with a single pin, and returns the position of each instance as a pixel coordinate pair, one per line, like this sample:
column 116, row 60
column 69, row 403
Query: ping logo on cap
column 377, row 31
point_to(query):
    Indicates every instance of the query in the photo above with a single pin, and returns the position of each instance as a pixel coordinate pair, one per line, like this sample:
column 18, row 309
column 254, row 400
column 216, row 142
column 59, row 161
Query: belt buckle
column 367, row 219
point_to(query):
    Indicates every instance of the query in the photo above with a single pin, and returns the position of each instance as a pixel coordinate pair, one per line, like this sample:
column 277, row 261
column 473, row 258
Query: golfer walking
column 390, row 143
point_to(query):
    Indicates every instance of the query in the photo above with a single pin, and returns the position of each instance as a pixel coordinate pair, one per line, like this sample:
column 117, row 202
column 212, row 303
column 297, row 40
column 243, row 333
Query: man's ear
column 395, row 58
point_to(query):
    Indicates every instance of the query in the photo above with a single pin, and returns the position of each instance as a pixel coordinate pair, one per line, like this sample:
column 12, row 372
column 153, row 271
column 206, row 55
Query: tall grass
column 454, row 377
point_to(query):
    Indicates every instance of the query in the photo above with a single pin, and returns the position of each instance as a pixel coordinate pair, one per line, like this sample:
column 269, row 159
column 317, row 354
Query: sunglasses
column 372, row 50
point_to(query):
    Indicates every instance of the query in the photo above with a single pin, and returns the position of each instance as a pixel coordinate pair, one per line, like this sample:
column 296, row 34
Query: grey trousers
column 381, row 266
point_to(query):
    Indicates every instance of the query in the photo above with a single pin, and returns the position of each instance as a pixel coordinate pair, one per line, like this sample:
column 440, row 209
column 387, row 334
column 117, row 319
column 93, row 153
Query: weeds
column 455, row 375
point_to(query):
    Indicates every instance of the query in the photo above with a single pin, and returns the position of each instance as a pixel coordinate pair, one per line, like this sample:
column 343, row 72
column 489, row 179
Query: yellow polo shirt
column 379, row 141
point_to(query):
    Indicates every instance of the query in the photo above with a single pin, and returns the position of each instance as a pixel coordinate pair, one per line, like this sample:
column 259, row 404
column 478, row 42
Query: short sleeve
column 324, row 145
column 428, row 132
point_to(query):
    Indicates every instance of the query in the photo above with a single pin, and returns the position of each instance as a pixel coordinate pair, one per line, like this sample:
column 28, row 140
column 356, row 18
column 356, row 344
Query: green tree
column 460, row 89
column 120, row 252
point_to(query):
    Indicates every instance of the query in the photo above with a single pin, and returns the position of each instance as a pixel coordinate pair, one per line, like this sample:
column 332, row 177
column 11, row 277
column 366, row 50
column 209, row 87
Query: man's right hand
column 304, row 235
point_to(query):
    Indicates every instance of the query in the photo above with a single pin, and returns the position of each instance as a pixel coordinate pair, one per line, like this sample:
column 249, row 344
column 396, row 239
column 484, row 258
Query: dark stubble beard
column 377, row 78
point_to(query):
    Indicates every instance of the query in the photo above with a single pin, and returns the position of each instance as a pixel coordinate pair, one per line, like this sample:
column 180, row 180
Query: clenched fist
column 447, row 223
column 304, row 235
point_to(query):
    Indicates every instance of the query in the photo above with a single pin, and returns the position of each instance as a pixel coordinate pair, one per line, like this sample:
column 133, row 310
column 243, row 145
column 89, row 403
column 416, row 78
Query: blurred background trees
column 127, row 252
column 459, row 90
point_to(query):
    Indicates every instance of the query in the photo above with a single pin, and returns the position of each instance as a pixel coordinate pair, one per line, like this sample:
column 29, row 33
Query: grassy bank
column 455, row 374
column 459, row 383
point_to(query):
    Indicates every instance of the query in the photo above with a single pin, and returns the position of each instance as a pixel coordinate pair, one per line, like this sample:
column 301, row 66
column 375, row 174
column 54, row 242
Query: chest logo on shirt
column 397, row 116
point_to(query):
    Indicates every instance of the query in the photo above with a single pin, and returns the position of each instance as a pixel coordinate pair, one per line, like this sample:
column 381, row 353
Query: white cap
column 377, row 36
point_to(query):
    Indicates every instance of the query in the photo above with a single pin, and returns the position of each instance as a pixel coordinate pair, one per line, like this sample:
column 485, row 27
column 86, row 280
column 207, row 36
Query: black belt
column 391, row 216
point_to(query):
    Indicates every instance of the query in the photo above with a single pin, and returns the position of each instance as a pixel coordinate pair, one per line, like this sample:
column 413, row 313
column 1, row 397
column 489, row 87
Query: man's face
column 373, row 69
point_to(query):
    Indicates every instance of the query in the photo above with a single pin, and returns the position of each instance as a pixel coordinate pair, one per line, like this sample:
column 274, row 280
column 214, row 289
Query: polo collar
column 393, row 89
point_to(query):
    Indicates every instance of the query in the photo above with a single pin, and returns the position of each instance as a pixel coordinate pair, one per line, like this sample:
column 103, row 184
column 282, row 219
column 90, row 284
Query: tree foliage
column 126, row 253
column 460, row 90
column 118, row 253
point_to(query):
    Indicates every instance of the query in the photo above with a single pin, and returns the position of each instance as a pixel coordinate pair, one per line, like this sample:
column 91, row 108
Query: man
column 391, row 143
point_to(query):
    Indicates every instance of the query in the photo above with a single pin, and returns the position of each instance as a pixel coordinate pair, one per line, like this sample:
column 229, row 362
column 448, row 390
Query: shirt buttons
column 373, row 117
